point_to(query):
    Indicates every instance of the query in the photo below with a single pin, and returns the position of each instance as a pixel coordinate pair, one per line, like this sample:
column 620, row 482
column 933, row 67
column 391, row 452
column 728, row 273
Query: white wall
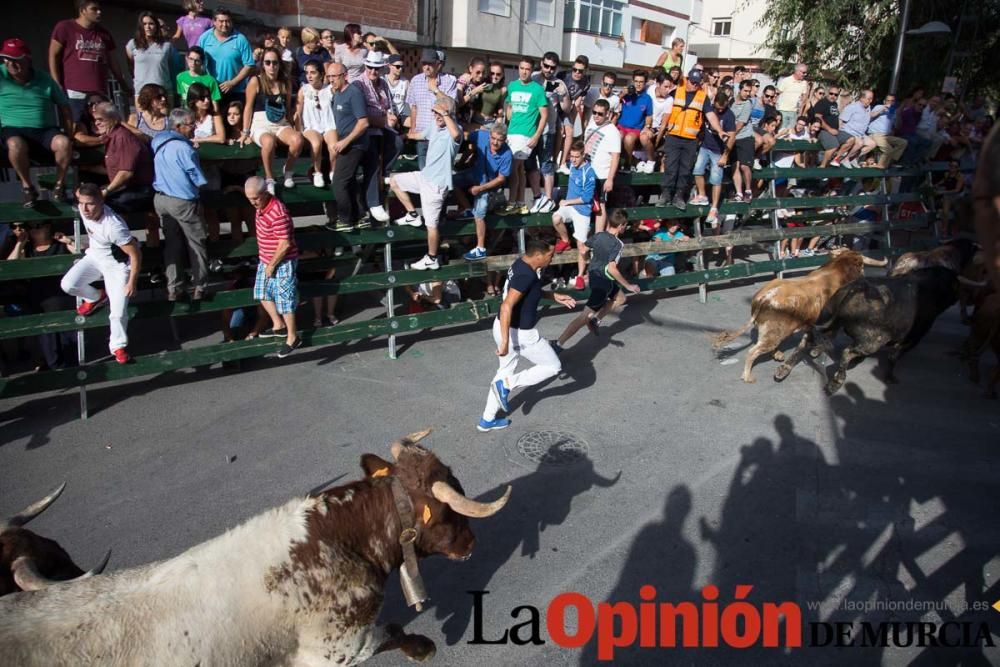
column 640, row 53
column 603, row 52
column 467, row 27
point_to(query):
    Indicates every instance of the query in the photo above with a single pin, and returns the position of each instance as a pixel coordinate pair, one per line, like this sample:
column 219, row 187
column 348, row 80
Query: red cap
column 15, row 49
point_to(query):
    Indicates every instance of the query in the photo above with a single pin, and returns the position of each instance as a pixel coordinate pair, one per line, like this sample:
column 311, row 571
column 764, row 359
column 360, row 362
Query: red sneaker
column 562, row 246
column 121, row 356
column 88, row 307
column 578, row 283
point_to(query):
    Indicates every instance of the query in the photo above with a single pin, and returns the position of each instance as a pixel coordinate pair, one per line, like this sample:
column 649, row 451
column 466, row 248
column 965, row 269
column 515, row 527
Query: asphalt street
column 670, row 472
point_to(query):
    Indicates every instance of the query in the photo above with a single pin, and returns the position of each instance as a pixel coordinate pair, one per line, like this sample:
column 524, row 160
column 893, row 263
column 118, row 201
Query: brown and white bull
column 30, row 562
column 301, row 584
column 786, row 305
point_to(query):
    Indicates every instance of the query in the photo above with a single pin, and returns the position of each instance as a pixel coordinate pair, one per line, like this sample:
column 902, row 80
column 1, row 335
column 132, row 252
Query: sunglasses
column 769, row 96
column 547, row 66
column 496, row 73
column 370, row 44
column 396, row 65
column 579, row 70
column 270, row 62
column 600, row 114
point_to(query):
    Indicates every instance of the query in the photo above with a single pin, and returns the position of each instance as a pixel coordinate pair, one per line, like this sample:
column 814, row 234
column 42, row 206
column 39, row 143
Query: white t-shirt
column 787, row 159
column 661, row 108
column 601, row 142
column 105, row 233
column 398, row 93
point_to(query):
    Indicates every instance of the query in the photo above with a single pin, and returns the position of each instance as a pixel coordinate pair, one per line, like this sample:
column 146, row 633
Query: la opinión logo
column 737, row 623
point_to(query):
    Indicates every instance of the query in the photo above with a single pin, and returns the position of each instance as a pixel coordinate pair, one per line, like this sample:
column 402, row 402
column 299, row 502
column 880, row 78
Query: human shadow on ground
column 539, row 499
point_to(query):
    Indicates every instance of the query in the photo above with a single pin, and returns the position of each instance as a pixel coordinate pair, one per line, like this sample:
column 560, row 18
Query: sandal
column 29, row 195
column 59, row 192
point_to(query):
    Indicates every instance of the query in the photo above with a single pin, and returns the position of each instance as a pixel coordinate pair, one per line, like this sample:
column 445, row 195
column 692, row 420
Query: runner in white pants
column 104, row 231
column 516, row 336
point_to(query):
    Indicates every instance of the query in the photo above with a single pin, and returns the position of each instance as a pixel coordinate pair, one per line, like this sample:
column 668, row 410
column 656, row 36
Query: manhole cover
column 554, row 448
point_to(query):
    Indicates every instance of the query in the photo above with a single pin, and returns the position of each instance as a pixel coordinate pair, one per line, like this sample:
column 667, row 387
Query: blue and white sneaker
column 475, row 255
column 494, row 425
column 502, row 393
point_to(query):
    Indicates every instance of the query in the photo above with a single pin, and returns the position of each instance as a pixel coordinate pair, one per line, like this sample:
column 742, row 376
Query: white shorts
column 581, row 222
column 260, row 126
column 519, row 146
column 322, row 130
column 431, row 196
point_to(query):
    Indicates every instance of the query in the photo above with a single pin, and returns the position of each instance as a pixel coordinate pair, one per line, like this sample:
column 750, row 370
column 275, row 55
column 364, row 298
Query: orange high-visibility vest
column 685, row 121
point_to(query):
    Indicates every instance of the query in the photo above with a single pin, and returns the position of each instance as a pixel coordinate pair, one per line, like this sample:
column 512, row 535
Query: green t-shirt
column 30, row 105
column 185, row 79
column 525, row 100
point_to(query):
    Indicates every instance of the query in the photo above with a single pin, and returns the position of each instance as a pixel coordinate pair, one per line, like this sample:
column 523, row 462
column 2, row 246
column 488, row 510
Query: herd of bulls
column 893, row 312
column 307, row 589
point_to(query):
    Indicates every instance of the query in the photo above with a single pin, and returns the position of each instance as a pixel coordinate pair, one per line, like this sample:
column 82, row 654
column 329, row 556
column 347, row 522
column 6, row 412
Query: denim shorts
column 542, row 157
column 707, row 158
column 481, row 203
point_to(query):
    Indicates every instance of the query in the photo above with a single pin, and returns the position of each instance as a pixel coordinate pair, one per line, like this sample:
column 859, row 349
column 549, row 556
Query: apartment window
column 500, row 7
column 649, row 32
column 542, row 11
column 599, row 17
column 722, row 27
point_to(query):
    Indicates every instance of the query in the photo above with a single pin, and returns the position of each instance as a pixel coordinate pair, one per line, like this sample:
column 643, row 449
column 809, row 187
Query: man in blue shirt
column 178, row 177
column 433, row 182
column 577, row 206
column 718, row 141
column 880, row 130
column 493, row 163
column 228, row 55
column 515, row 334
column 636, row 118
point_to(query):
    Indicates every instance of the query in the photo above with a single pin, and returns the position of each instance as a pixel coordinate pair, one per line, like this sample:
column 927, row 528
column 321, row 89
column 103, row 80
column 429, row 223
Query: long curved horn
column 414, row 438
column 28, row 578
column 874, row 262
column 32, row 510
column 466, row 506
column 971, row 283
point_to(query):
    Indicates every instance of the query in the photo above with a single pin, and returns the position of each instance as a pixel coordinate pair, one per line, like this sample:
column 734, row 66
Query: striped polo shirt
column 274, row 224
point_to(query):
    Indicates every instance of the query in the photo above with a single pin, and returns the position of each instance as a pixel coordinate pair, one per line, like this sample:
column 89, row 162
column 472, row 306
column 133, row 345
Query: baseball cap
column 15, row 49
column 429, row 56
column 395, row 59
column 695, row 76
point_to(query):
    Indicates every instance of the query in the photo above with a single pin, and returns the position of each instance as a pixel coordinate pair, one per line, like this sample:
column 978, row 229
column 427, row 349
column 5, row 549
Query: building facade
column 725, row 34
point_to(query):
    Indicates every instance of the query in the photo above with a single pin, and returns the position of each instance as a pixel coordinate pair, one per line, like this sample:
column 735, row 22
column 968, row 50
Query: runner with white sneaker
column 433, row 182
column 515, row 334
column 105, row 230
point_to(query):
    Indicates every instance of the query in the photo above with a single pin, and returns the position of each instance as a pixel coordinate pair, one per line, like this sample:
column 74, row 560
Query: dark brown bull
column 963, row 256
column 783, row 306
column 30, row 562
column 986, row 203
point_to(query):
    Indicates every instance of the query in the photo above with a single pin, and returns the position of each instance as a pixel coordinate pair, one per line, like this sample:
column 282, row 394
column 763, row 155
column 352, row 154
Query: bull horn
column 874, row 262
column 31, row 511
column 413, row 438
column 28, row 578
column 968, row 282
column 466, row 506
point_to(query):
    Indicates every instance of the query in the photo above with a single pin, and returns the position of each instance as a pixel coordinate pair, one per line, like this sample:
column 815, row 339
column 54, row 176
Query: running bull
column 963, row 256
column 30, row 562
column 894, row 312
column 301, row 584
column 783, row 306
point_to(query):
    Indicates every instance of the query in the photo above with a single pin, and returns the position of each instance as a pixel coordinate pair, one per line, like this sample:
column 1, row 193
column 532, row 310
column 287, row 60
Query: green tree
column 853, row 42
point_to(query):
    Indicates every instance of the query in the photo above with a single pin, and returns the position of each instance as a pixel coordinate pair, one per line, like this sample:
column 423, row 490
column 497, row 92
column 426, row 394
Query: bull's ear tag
column 381, row 472
column 427, row 514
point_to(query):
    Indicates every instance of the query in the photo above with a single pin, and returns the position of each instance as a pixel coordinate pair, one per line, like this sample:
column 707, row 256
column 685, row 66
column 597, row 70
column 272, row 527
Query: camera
column 631, row 90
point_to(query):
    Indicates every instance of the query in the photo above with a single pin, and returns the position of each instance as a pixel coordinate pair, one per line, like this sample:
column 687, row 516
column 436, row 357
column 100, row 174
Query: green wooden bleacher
column 305, row 195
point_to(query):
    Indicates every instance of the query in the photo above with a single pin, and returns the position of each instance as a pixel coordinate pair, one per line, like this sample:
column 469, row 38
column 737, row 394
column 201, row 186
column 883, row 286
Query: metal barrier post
column 81, row 352
column 884, row 191
column 521, row 239
column 699, row 263
column 390, row 306
column 773, row 191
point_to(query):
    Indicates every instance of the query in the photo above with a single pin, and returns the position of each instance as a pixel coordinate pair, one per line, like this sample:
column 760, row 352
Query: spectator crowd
column 480, row 142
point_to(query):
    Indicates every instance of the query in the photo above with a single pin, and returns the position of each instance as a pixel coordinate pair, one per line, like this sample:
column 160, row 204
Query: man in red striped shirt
column 276, row 286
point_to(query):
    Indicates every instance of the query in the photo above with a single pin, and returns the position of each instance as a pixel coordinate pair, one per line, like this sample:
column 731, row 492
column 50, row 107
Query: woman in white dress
column 208, row 127
column 314, row 118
